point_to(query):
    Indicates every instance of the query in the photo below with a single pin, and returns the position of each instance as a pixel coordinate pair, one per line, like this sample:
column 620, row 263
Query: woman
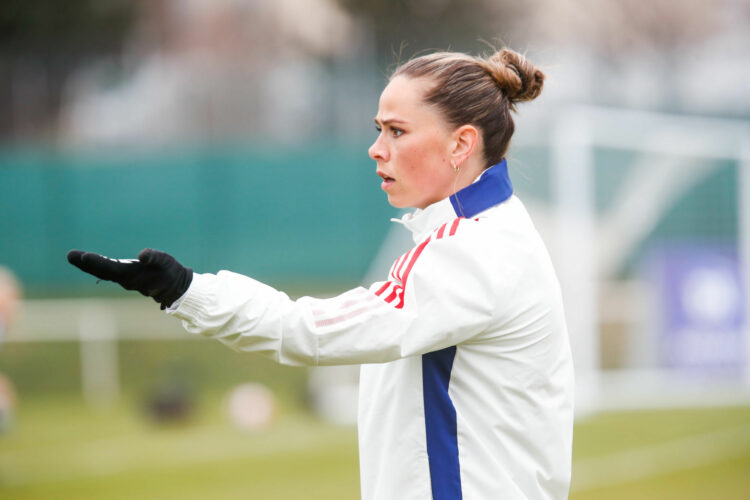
column 466, row 383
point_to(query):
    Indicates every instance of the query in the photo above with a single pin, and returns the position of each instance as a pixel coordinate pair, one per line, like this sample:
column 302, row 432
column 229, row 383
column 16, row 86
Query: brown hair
column 480, row 91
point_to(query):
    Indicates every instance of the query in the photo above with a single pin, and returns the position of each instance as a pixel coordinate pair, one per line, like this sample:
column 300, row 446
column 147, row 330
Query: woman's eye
column 377, row 127
column 395, row 132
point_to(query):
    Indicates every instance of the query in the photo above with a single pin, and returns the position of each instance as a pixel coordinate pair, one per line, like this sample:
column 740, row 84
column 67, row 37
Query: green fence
column 292, row 216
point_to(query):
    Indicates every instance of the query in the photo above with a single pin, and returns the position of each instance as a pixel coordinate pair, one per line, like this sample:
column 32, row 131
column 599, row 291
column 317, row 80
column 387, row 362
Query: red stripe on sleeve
column 383, row 288
column 396, row 265
column 400, row 304
column 392, row 270
column 454, row 226
column 411, row 256
column 406, row 257
column 417, row 253
column 393, row 294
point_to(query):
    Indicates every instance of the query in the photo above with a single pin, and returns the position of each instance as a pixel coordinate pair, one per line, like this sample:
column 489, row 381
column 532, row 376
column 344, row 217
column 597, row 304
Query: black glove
column 154, row 274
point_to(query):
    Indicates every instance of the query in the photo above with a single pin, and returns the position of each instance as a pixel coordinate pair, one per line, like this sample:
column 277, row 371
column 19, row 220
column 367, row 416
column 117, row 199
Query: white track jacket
column 466, row 386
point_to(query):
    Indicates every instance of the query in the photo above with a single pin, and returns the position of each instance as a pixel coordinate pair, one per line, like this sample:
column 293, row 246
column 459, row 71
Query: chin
column 397, row 203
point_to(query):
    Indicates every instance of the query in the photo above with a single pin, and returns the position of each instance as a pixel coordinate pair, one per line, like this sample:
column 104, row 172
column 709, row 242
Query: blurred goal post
column 587, row 252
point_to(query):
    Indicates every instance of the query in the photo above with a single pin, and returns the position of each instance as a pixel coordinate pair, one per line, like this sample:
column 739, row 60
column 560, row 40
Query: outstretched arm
column 439, row 297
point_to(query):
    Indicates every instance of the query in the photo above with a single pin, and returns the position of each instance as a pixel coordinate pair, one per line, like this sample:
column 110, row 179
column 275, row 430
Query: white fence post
column 575, row 249
column 99, row 364
column 743, row 202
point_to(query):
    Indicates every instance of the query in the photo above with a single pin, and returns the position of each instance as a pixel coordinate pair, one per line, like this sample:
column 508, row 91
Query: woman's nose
column 377, row 151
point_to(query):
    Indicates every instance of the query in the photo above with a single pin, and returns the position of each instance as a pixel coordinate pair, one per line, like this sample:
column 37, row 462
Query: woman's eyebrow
column 389, row 121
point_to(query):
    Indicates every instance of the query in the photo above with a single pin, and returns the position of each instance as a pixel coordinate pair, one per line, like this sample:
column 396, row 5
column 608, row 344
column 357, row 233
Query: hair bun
column 515, row 75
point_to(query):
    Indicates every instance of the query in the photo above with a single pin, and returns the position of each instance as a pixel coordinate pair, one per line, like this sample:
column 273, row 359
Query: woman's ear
column 465, row 139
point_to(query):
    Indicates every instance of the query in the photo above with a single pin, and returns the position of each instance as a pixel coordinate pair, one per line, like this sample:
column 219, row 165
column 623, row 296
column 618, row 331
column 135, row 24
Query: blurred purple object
column 701, row 313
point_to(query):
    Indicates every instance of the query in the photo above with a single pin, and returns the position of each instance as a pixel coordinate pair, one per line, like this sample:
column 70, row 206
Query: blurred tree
column 41, row 44
column 620, row 27
column 402, row 28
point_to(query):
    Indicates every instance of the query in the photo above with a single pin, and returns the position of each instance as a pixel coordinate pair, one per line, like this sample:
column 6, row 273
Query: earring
column 456, row 168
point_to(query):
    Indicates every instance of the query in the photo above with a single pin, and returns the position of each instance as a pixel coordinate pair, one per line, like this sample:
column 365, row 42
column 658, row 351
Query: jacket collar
column 491, row 188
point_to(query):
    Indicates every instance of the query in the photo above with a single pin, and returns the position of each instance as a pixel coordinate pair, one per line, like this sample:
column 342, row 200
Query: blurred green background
column 305, row 215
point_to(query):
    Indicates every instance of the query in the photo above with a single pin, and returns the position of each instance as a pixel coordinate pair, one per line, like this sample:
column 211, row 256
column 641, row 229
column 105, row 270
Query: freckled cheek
column 416, row 156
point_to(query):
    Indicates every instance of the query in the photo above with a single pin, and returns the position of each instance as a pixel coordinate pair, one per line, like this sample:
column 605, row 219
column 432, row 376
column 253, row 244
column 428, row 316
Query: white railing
column 97, row 324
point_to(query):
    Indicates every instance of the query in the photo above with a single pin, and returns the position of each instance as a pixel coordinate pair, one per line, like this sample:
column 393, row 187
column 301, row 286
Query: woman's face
column 414, row 145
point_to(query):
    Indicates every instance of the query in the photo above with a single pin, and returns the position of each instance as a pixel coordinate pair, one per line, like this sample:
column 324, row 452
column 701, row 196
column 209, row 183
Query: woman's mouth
column 387, row 181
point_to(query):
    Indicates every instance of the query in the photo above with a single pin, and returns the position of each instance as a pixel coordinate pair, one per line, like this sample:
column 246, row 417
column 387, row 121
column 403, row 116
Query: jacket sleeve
column 438, row 295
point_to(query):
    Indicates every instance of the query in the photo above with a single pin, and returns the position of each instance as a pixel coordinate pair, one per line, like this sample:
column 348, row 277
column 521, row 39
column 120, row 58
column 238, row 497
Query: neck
column 468, row 173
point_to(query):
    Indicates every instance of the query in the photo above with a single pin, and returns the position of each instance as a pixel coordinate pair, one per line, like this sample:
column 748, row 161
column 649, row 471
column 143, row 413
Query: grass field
column 59, row 449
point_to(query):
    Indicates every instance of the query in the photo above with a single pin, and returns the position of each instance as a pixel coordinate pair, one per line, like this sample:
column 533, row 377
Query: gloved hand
column 154, row 274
